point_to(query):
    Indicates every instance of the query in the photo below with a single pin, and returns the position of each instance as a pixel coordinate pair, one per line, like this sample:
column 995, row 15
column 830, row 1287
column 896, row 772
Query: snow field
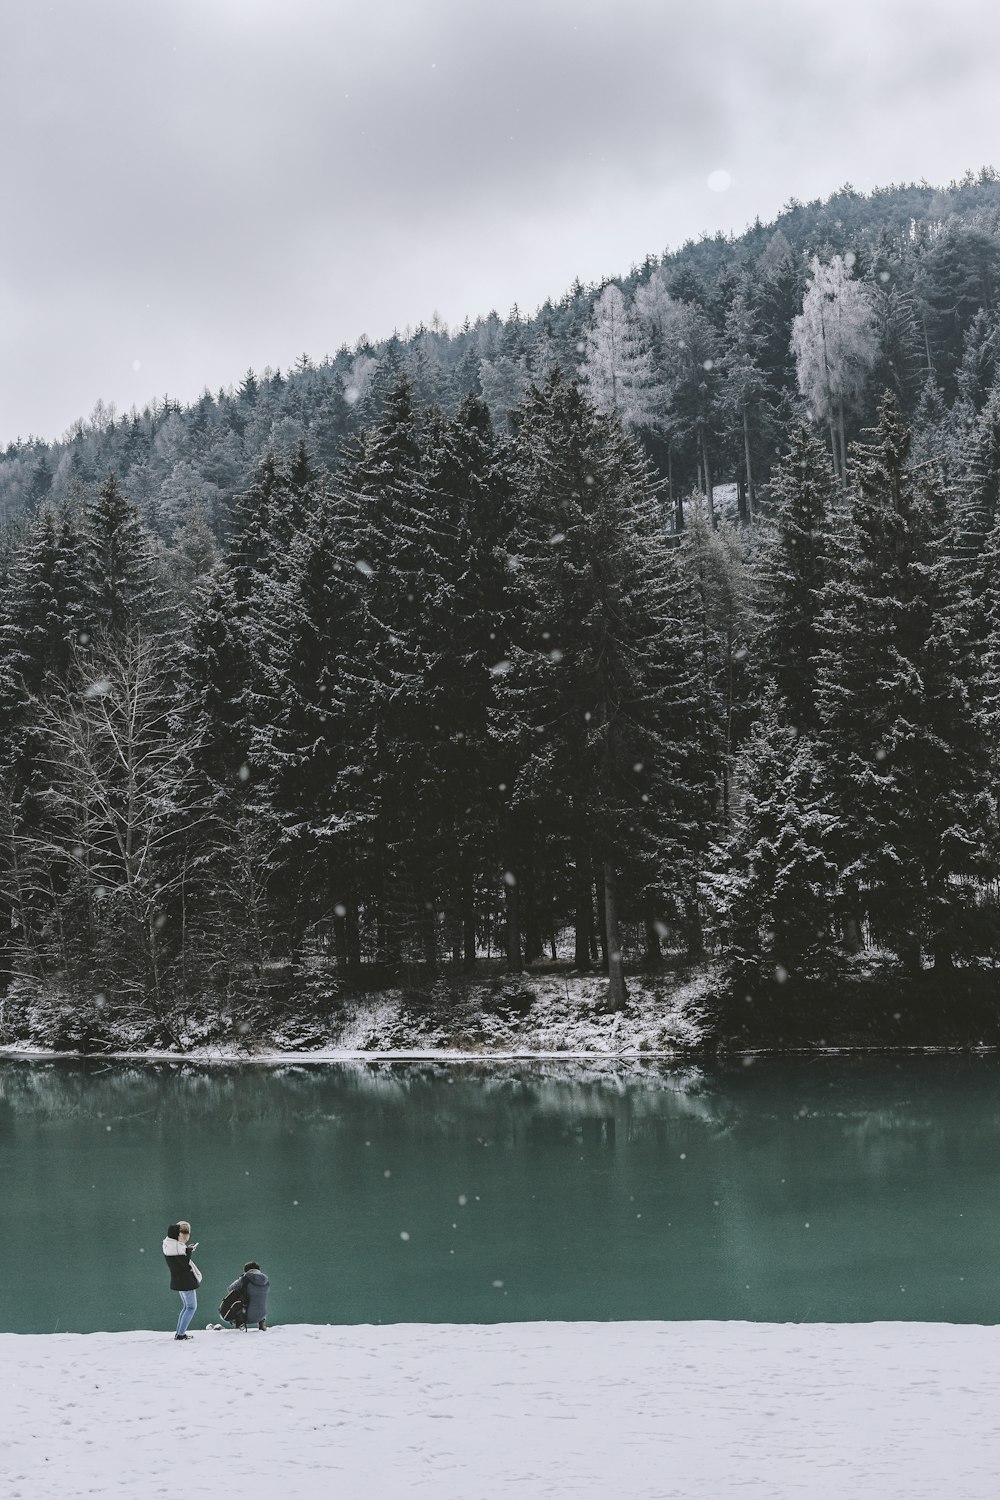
column 696, row 1411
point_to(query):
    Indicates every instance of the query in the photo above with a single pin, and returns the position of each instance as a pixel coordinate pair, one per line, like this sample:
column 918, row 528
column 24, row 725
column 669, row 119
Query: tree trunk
column 741, row 500
column 843, row 444
column 340, row 938
column 617, row 993
column 584, row 913
column 943, row 951
column 428, row 933
column 529, row 916
column 852, row 935
column 353, row 923
column 515, row 963
column 597, row 893
column 653, row 958
column 709, row 487
column 751, row 497
column 468, row 929
column 693, row 932
column 910, row 955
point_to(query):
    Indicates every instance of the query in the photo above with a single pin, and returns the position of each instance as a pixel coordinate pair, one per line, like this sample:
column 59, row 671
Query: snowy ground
column 713, row 1410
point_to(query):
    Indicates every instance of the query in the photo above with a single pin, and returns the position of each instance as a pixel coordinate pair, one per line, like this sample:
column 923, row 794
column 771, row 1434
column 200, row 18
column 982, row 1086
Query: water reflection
column 833, row 1188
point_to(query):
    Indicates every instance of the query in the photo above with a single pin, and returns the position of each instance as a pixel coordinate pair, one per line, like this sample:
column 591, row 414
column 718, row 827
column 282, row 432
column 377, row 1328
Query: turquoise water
column 828, row 1189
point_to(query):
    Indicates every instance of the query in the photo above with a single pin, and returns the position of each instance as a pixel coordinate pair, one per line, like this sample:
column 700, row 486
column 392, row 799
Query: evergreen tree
column 125, row 587
column 988, row 682
column 46, row 613
column 743, row 387
column 901, row 745
column 390, row 542
column 977, row 373
column 899, row 359
column 776, row 892
column 304, row 742
column 44, row 618
column 721, row 624
column 601, row 694
column 978, row 500
column 794, row 574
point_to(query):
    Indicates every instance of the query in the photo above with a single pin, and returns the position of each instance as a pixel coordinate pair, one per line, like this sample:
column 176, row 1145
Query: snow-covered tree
column 602, row 695
column 744, row 385
column 901, row 745
column 125, row 582
column 793, row 573
column 617, row 369
column 834, row 342
column 775, row 889
column 686, row 355
column 503, row 382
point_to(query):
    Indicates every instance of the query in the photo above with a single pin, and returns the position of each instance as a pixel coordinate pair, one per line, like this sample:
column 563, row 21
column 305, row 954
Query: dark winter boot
column 262, row 1326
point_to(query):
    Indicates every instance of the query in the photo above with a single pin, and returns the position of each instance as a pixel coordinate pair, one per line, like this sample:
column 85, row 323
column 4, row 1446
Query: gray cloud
column 209, row 184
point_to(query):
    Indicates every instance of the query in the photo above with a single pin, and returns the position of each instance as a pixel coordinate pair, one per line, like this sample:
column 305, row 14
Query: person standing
column 184, row 1274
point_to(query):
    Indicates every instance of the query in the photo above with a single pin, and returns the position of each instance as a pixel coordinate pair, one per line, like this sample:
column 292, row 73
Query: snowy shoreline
column 695, row 1411
column 541, row 1016
column 689, row 1057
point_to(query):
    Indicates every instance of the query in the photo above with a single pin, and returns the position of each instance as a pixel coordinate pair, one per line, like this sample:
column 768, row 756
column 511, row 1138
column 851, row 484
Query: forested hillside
column 661, row 628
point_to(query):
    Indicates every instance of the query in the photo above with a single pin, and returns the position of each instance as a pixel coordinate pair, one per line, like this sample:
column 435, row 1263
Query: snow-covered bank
column 471, row 1412
column 501, row 1015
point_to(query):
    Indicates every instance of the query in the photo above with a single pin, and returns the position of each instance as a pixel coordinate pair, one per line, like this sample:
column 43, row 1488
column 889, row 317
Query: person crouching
column 252, row 1288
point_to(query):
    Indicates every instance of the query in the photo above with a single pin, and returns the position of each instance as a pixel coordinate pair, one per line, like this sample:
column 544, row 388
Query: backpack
column 233, row 1307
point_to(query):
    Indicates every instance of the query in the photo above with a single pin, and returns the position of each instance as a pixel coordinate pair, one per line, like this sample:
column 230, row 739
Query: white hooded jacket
column 182, row 1268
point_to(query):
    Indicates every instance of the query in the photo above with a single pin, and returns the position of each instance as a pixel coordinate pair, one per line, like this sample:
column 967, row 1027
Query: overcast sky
column 195, row 186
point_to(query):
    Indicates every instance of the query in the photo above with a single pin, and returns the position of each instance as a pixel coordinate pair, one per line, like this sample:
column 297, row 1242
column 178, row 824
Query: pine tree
column 466, row 627
column 126, row 589
column 303, row 747
column 46, row 612
column 776, row 892
column 686, row 364
column 978, row 371
column 44, row 618
column 988, row 677
column 978, row 500
column 744, row 385
column 601, row 695
column 901, row 745
column 794, row 573
column 390, row 539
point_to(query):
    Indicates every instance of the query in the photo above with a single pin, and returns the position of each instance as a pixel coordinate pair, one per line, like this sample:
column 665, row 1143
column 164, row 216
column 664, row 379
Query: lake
column 833, row 1189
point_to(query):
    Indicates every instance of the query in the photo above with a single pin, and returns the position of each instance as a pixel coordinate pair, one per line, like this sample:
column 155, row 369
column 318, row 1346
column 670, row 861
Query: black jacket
column 184, row 1274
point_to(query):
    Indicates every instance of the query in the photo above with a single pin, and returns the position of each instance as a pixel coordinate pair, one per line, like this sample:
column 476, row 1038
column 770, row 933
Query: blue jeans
column 189, row 1302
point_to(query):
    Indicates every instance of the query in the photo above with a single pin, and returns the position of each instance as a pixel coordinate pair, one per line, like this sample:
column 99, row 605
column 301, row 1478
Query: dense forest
column 659, row 629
